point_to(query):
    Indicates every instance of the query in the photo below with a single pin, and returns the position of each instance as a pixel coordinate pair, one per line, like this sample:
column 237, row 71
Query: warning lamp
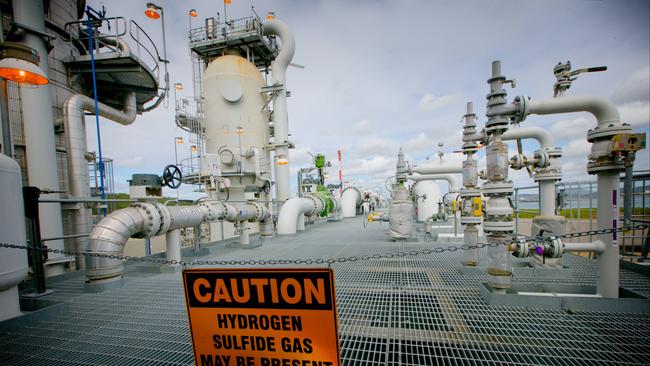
column 179, row 140
column 282, row 161
column 226, row 2
column 152, row 11
column 19, row 63
column 239, row 130
column 193, row 148
column 193, row 13
column 178, row 86
column 270, row 15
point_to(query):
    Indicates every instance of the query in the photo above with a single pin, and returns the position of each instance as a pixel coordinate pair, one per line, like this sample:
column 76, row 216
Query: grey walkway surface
column 406, row 311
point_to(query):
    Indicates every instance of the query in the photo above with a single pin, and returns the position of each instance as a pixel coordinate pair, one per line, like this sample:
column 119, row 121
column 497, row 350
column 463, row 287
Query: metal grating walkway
column 409, row 311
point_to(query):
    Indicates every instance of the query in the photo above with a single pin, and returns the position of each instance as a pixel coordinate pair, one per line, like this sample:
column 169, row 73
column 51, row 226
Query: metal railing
column 108, row 33
column 577, row 202
column 217, row 29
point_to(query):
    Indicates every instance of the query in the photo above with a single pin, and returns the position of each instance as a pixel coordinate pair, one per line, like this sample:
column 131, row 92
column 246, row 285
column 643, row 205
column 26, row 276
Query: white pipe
column 173, row 245
column 608, row 181
column 603, row 109
column 280, row 116
column 40, row 141
column 597, row 247
column 350, row 199
column 428, row 196
column 545, row 139
column 146, row 220
column 547, row 198
column 292, row 211
column 436, row 169
column 73, row 118
column 452, row 180
column 257, row 157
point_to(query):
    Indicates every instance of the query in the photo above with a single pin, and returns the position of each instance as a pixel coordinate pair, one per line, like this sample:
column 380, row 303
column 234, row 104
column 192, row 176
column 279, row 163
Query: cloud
column 636, row 114
column 363, row 126
column 636, row 88
column 430, row 102
column 572, row 128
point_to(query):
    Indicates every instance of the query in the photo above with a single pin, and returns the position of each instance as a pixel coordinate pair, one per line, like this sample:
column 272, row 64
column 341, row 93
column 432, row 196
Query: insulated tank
column 13, row 262
column 235, row 121
column 400, row 214
column 428, row 195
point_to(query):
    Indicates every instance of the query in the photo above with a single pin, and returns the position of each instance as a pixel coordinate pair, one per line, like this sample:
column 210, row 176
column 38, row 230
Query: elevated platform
column 398, row 311
column 126, row 60
column 244, row 34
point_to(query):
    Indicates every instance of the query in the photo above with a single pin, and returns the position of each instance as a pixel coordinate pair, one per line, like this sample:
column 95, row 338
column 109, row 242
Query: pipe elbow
column 602, row 108
column 290, row 213
column 288, row 48
column 543, row 137
column 109, row 237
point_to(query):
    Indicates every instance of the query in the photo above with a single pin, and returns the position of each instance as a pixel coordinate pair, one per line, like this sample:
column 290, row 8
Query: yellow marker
column 370, row 218
column 477, row 207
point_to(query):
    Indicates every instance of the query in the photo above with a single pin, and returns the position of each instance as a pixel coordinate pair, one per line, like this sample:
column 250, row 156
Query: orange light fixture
column 19, row 63
column 282, row 161
column 270, row 15
column 193, row 13
column 152, row 11
column 179, row 140
column 194, row 148
column 227, row 2
column 178, row 86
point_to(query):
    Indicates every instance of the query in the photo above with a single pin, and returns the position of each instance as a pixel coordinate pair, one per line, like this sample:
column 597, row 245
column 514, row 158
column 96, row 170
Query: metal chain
column 328, row 261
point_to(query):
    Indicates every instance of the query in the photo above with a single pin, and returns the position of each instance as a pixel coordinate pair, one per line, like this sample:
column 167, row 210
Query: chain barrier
column 328, row 261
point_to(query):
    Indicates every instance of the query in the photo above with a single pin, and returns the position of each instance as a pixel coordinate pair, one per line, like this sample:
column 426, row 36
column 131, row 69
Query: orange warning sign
column 262, row 317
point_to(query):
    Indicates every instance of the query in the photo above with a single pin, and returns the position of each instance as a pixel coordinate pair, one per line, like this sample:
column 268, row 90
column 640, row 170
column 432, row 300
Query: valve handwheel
column 172, row 176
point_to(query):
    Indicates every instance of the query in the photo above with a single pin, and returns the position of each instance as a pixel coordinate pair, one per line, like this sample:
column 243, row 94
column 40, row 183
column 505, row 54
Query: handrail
column 156, row 59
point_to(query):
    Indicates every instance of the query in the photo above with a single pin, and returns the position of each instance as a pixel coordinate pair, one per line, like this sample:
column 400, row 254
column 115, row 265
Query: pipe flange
column 151, row 217
column 260, row 211
column 470, row 192
column 505, row 187
column 165, row 218
column 544, row 175
column 209, row 213
column 520, row 247
column 522, row 109
column 319, row 205
column 498, row 226
column 607, row 132
column 467, row 220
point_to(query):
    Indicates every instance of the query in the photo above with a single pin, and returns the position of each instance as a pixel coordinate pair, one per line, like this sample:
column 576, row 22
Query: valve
column 520, row 247
column 550, row 247
column 518, row 161
column 541, row 159
column 172, row 176
column 477, row 207
column 565, row 76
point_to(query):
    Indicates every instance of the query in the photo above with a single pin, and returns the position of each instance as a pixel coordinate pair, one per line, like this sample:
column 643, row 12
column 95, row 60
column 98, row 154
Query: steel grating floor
column 407, row 311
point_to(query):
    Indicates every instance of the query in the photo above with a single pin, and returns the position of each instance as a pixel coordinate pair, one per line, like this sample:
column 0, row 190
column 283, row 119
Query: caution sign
column 262, row 317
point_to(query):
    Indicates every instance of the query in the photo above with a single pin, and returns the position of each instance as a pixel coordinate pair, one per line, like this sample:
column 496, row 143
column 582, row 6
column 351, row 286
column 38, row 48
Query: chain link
column 328, row 261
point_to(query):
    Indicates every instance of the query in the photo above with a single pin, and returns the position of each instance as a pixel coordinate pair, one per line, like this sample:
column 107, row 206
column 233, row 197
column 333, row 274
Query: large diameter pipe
column 603, row 109
column 38, row 128
column 437, row 169
column 173, row 245
column 280, row 115
column 452, row 180
column 74, row 117
column 542, row 136
column 350, row 199
column 291, row 212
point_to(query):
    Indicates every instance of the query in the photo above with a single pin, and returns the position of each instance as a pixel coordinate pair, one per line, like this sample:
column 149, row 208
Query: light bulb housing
column 152, row 11
column 19, row 63
column 193, row 13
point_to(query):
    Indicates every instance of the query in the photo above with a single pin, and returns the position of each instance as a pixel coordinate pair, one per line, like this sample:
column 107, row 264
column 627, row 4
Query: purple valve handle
column 539, row 250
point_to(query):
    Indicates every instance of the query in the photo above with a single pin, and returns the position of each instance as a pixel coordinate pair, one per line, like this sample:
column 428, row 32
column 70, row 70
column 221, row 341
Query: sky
column 380, row 75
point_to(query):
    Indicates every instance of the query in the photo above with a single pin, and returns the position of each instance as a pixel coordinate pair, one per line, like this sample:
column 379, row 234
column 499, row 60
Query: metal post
column 36, row 254
column 516, row 210
column 608, row 273
column 99, row 139
column 7, row 141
